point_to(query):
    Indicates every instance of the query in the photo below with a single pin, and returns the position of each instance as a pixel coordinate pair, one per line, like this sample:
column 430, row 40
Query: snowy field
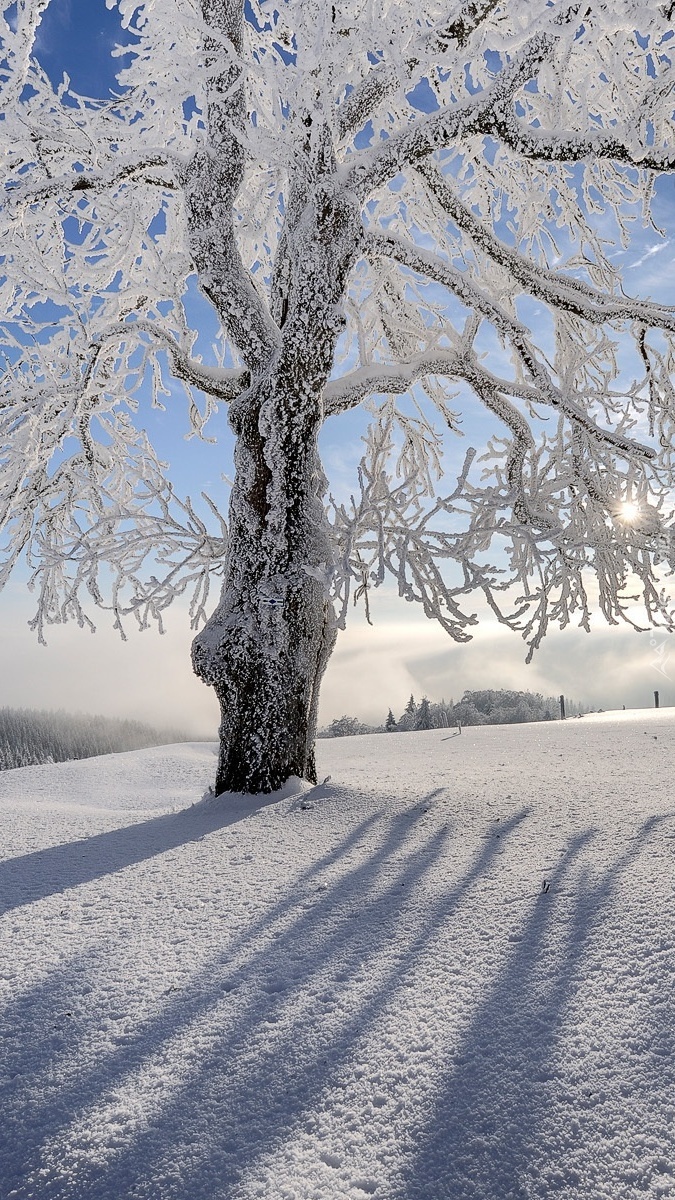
column 447, row 972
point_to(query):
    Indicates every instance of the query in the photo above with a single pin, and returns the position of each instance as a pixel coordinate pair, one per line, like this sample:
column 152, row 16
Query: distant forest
column 29, row 737
column 487, row 707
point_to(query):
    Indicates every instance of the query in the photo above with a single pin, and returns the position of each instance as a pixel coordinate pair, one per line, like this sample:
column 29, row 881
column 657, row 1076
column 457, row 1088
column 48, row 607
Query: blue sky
column 76, row 37
column 372, row 668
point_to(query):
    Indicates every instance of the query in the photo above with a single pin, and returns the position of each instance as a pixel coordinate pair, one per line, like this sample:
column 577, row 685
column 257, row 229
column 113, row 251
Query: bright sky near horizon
column 372, row 668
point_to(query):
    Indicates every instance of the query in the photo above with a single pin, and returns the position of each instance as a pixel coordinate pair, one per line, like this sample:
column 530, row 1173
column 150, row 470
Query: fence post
column 562, row 708
column 656, row 699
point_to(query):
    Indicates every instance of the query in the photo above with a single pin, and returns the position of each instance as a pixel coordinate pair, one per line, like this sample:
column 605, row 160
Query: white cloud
column 649, row 253
column 375, row 668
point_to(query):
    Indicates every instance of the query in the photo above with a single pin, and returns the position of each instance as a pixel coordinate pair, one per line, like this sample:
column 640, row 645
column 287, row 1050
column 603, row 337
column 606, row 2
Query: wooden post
column 562, row 708
column 656, row 699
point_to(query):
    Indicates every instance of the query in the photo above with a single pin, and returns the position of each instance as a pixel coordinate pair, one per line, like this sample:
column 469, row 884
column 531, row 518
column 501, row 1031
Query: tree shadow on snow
column 480, row 1140
column 235, row 1061
column 46, row 872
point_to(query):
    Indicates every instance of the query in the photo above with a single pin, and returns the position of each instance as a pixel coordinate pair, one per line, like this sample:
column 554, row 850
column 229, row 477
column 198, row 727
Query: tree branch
column 430, row 265
column 560, row 291
column 222, row 382
column 212, row 183
column 423, row 262
column 547, row 146
column 490, row 112
column 461, row 27
column 396, row 378
column 128, row 169
column 473, row 116
column 382, row 81
column 342, row 394
column 545, row 391
column 18, row 47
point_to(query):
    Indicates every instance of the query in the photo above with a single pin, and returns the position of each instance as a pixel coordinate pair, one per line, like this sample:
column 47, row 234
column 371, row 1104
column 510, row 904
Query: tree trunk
column 268, row 689
column 266, row 647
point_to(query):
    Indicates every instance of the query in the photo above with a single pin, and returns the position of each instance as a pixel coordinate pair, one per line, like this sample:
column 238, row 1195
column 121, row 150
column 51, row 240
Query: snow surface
column 446, row 972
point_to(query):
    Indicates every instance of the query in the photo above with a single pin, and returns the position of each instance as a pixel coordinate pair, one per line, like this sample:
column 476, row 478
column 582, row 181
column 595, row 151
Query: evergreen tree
column 423, row 719
column 409, row 715
column 390, row 723
column 29, row 737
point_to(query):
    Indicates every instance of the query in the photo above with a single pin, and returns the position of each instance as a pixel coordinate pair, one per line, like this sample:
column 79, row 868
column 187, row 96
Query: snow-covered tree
column 28, row 736
column 423, row 719
column 407, row 719
column 345, row 726
column 409, row 207
column 390, row 723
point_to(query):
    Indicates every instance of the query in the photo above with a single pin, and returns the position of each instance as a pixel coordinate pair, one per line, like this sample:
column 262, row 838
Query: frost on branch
column 419, row 210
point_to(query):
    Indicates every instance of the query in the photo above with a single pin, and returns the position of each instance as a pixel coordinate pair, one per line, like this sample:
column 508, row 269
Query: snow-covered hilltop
column 447, row 972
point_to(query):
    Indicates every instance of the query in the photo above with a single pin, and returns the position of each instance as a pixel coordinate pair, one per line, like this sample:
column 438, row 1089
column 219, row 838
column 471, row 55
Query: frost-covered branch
column 18, row 37
column 154, row 557
column 560, row 291
column 382, row 81
column 619, row 146
column 433, row 267
column 349, row 391
column 396, row 378
column 458, row 122
column 224, row 383
column 557, row 290
column 213, row 181
column 141, row 170
column 397, row 527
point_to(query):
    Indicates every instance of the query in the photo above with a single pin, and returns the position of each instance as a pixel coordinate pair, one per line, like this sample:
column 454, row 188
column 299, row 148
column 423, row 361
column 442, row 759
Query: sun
column 629, row 512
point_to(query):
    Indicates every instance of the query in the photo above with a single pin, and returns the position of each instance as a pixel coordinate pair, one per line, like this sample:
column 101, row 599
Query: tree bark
column 266, row 647
column 268, row 689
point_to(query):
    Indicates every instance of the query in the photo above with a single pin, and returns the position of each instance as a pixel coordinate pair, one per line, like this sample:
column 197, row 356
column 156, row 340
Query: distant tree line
column 488, row 707
column 29, row 737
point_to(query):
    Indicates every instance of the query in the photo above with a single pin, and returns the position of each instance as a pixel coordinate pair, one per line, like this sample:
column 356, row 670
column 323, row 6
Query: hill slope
column 445, row 973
